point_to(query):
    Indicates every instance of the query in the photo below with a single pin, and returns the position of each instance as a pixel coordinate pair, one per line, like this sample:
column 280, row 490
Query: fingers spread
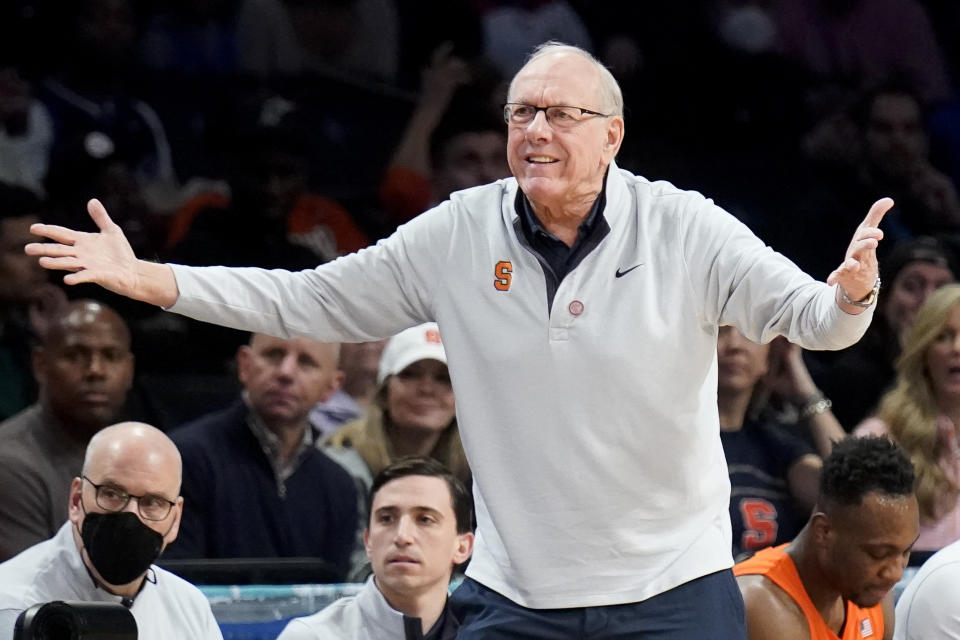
column 99, row 215
column 48, row 249
column 54, row 232
column 68, row 263
column 79, row 277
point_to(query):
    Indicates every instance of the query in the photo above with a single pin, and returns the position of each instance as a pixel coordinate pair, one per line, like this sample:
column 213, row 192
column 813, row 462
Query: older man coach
column 579, row 305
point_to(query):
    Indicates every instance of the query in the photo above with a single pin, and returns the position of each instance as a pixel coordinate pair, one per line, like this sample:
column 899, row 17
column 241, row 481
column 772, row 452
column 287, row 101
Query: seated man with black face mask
column 123, row 511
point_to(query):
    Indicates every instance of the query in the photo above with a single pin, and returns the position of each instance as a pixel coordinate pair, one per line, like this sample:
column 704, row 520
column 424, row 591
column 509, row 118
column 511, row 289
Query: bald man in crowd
column 254, row 466
column 124, row 509
column 84, row 368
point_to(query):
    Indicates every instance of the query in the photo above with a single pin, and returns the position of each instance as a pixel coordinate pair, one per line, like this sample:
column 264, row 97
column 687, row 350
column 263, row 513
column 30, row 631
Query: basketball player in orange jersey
column 833, row 580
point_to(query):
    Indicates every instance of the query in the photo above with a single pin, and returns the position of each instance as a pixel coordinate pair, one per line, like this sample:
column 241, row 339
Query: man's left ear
column 171, row 534
column 615, row 130
column 464, row 548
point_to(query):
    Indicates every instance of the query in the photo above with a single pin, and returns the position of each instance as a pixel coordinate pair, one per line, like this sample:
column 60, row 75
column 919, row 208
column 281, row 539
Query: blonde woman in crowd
column 922, row 413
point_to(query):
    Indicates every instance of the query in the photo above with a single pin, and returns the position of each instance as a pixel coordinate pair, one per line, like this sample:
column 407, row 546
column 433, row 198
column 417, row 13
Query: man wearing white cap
column 412, row 413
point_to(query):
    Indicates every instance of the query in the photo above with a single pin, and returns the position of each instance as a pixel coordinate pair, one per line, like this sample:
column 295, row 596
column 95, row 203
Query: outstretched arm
column 859, row 271
column 104, row 258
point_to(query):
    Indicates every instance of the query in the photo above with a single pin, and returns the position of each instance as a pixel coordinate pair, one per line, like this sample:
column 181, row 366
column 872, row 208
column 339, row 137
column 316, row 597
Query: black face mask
column 120, row 547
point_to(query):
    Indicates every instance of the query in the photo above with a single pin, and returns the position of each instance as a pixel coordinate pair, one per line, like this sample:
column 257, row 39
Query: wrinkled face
column 421, row 397
column 864, row 548
column 910, row 289
column 285, row 378
column 943, row 359
column 471, row 159
column 20, row 275
column 85, row 371
column 740, row 362
column 895, row 138
column 557, row 169
column 412, row 540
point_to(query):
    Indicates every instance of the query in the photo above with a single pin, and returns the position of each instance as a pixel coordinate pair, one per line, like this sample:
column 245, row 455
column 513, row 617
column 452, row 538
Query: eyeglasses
column 559, row 116
column 113, row 498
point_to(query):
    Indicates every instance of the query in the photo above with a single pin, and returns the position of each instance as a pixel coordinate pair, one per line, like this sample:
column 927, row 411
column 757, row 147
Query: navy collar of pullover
column 561, row 258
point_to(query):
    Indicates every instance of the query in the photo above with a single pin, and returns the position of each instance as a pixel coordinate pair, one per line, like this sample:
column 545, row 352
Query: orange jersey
column 776, row 565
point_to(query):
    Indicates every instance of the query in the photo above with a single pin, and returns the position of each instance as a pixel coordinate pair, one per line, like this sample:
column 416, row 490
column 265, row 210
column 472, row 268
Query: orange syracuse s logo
column 503, row 274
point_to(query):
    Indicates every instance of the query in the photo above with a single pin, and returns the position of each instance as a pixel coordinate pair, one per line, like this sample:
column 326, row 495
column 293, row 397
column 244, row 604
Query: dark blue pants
column 709, row 608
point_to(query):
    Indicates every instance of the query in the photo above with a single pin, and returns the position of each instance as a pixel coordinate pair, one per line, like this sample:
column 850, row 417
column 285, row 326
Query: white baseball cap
column 410, row 345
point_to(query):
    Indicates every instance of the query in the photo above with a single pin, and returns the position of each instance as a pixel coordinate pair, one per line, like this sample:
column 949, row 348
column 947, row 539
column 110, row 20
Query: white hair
column 609, row 88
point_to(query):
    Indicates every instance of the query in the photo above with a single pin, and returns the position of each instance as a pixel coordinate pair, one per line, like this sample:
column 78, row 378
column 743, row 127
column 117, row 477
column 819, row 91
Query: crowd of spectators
column 285, row 133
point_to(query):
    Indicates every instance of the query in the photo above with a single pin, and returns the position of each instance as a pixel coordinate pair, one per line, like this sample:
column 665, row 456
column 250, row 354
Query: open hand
column 103, row 257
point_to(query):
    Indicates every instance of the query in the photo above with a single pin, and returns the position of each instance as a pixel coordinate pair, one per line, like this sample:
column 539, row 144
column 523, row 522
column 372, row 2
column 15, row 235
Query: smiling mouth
column 541, row 160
